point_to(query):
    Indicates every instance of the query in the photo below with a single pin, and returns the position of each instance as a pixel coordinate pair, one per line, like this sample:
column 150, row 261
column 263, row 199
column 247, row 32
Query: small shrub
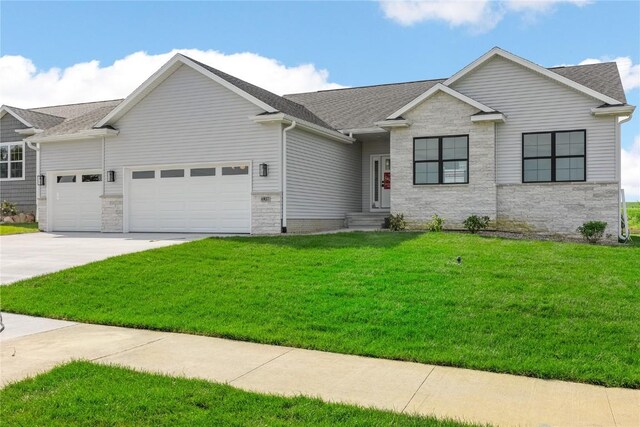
column 592, row 231
column 395, row 222
column 436, row 223
column 476, row 223
column 8, row 208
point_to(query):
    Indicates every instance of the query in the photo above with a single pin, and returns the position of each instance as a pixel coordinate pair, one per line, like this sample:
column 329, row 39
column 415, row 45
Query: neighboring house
column 17, row 160
column 196, row 150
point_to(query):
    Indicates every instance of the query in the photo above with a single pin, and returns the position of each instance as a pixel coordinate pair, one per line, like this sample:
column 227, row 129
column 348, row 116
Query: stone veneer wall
column 558, row 208
column 314, row 225
column 265, row 213
column 112, row 214
column 41, row 203
column 443, row 115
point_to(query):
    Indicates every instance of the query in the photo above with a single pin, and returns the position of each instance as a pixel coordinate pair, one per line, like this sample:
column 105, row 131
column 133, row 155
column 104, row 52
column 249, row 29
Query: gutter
column 283, row 175
column 621, row 199
column 87, row 134
column 35, row 148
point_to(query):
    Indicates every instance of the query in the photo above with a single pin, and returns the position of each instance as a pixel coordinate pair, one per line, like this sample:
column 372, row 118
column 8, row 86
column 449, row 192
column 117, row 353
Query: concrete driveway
column 28, row 255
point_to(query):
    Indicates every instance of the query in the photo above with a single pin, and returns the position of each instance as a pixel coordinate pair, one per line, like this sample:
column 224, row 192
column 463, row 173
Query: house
column 17, row 159
column 196, row 150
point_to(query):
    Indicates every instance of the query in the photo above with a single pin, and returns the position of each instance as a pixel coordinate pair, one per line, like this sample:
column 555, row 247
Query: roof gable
column 496, row 51
column 439, row 87
column 267, row 101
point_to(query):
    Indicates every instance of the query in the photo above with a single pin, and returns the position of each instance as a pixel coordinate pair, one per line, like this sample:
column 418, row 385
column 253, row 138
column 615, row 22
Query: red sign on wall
column 386, row 182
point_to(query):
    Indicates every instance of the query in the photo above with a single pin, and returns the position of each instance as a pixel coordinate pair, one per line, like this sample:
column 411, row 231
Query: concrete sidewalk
column 483, row 397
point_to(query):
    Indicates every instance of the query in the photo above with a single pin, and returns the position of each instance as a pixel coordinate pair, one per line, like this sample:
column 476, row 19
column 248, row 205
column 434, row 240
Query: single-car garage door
column 75, row 201
column 203, row 198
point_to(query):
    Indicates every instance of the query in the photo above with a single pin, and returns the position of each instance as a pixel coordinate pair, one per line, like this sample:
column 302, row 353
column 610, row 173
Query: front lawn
column 84, row 394
column 553, row 310
column 27, row 227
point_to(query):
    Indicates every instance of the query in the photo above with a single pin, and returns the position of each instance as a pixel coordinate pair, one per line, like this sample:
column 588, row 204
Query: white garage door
column 204, row 198
column 76, row 204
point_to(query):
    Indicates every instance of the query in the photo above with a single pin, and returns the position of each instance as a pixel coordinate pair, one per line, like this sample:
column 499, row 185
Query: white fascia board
column 362, row 131
column 531, row 66
column 493, row 117
column 439, row 87
column 6, row 109
column 617, row 110
column 311, row 127
column 393, row 123
column 28, row 131
column 165, row 71
column 87, row 134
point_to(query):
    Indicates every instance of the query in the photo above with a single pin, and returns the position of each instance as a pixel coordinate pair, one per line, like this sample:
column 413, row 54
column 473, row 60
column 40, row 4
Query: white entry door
column 203, row 198
column 381, row 182
column 75, row 201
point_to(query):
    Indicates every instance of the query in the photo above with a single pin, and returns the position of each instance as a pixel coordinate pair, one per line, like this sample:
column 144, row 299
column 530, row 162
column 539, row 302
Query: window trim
column 440, row 161
column 9, row 161
column 553, row 156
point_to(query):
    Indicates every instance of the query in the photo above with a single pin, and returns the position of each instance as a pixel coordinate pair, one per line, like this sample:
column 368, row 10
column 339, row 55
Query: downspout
column 621, row 198
column 283, row 175
column 36, row 148
column 104, row 163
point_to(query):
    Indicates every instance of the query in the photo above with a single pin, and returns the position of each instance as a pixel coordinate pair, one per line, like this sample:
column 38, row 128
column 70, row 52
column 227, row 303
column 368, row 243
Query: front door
column 381, row 181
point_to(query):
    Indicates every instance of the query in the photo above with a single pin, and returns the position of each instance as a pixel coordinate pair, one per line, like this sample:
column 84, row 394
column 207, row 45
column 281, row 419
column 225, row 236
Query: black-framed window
column 558, row 156
column 441, row 160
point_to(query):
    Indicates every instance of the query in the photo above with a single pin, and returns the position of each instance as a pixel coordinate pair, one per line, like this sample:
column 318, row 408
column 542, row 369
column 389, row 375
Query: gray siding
column 534, row 103
column 69, row 156
column 189, row 118
column 20, row 192
column 370, row 148
column 323, row 177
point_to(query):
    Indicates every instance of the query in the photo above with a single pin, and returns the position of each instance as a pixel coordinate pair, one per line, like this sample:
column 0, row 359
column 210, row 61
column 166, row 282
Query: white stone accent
column 42, row 213
column 558, row 208
column 112, row 214
column 266, row 213
column 443, row 115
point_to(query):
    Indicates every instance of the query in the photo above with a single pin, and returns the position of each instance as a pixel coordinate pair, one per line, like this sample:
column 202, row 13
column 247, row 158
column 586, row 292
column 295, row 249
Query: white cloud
column 629, row 72
column 631, row 170
column 23, row 85
column 479, row 15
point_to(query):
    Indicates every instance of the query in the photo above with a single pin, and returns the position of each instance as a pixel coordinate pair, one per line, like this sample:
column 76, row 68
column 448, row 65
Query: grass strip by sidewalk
column 544, row 309
column 85, row 394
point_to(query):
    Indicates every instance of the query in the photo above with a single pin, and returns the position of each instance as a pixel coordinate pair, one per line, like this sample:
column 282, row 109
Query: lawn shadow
column 340, row 240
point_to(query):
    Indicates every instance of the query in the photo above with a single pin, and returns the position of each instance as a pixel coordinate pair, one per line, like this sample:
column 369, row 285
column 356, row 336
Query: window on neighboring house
column 441, row 160
column 554, row 156
column 12, row 160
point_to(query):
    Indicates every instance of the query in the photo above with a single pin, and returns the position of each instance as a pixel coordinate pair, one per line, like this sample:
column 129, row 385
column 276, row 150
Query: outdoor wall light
column 111, row 176
column 40, row 179
column 264, row 169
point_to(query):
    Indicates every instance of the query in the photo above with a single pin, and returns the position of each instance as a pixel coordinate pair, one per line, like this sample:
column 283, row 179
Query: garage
column 210, row 198
column 75, row 201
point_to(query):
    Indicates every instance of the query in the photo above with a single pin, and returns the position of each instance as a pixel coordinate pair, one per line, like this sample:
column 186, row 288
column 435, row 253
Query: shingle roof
column 36, row 119
column 360, row 107
column 83, row 122
column 603, row 77
column 281, row 104
column 69, row 111
column 348, row 108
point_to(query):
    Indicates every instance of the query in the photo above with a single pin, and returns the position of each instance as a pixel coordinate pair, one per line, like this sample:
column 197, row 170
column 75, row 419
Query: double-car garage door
column 203, row 198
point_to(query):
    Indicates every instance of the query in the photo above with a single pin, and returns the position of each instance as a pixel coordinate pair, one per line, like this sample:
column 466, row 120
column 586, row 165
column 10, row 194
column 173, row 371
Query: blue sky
column 357, row 43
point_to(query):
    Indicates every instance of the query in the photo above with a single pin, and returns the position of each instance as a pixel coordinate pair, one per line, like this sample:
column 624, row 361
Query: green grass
column 27, row 227
column 84, row 394
column 544, row 309
column 633, row 214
